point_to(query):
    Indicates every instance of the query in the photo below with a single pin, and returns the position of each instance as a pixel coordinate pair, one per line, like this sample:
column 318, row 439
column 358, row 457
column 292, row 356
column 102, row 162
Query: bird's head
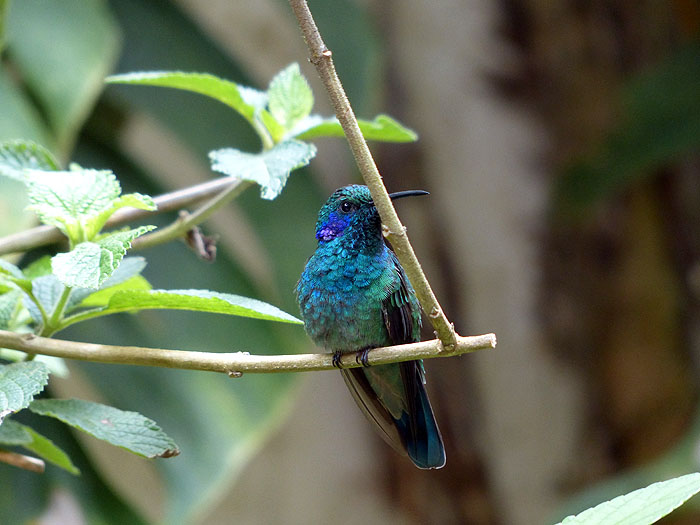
column 350, row 210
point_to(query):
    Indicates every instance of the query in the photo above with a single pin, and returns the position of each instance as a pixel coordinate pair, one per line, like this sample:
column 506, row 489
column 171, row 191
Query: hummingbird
column 354, row 296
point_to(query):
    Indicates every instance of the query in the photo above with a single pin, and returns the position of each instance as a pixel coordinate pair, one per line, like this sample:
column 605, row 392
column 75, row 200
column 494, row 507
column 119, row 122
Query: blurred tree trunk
column 614, row 292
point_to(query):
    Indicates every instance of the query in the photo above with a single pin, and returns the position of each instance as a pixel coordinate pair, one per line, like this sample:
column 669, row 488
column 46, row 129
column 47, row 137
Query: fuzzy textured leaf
column 64, row 197
column 270, row 169
column 641, row 507
column 129, row 430
column 290, row 97
column 383, row 128
column 16, row 156
column 129, row 269
column 197, row 300
column 89, row 264
column 19, row 383
column 13, row 433
column 8, row 307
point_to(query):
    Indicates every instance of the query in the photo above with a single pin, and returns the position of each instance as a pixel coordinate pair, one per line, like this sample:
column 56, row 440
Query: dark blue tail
column 417, row 427
column 394, row 398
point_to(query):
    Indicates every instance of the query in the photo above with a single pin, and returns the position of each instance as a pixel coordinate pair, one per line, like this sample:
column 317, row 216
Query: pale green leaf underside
column 383, row 128
column 61, row 197
column 89, row 264
column 129, row 268
column 197, row 300
column 8, row 307
column 16, row 434
column 270, row 169
column 19, row 155
column 129, row 430
column 641, row 507
column 19, row 383
column 10, row 269
column 290, row 97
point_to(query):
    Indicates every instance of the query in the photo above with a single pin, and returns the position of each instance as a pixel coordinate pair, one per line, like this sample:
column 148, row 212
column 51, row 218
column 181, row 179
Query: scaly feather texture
column 353, row 296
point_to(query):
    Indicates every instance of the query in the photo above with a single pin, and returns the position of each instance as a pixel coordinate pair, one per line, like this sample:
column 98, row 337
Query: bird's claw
column 362, row 357
column 337, row 355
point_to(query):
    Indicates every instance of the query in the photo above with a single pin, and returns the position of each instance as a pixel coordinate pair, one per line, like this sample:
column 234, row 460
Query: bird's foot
column 361, row 357
column 337, row 355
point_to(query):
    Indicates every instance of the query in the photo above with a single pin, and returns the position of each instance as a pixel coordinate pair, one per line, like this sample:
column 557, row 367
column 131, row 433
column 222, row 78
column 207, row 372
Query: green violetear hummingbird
column 354, row 296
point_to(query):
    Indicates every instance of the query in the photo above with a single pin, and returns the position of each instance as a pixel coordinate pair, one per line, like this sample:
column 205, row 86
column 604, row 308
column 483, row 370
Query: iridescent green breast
column 341, row 293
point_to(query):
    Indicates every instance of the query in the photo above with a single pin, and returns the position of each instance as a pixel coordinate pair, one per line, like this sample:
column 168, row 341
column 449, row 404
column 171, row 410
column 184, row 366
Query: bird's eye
column 346, row 206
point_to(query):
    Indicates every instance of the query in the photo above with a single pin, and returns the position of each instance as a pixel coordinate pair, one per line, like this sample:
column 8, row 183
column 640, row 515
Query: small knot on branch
column 325, row 54
column 386, row 232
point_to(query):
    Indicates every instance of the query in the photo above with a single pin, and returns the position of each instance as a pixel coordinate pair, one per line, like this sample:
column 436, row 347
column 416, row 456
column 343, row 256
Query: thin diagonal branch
column 236, row 363
column 22, row 461
column 321, row 58
column 188, row 221
column 43, row 235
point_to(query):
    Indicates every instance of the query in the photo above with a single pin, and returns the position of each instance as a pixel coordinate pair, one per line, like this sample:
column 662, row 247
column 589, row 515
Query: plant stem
column 237, row 363
column 43, row 235
column 40, row 307
column 54, row 322
column 22, row 461
column 185, row 223
column 393, row 229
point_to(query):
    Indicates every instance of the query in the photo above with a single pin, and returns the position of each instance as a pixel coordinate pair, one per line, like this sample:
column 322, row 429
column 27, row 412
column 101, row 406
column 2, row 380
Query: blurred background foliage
column 560, row 144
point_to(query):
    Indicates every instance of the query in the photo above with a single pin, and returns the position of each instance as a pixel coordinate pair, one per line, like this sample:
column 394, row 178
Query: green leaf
column 10, row 269
column 196, row 300
column 270, row 169
column 64, row 198
column 102, row 297
column 129, row 430
column 383, row 128
column 290, row 97
column 9, row 302
column 19, row 117
column 641, row 507
column 19, row 155
column 12, row 277
column 19, row 383
column 90, row 263
column 13, row 433
column 276, row 130
column 217, row 88
column 128, row 271
column 66, row 88
column 38, row 268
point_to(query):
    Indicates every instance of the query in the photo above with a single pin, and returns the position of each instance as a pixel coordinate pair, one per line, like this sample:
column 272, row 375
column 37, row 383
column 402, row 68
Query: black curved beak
column 407, row 193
